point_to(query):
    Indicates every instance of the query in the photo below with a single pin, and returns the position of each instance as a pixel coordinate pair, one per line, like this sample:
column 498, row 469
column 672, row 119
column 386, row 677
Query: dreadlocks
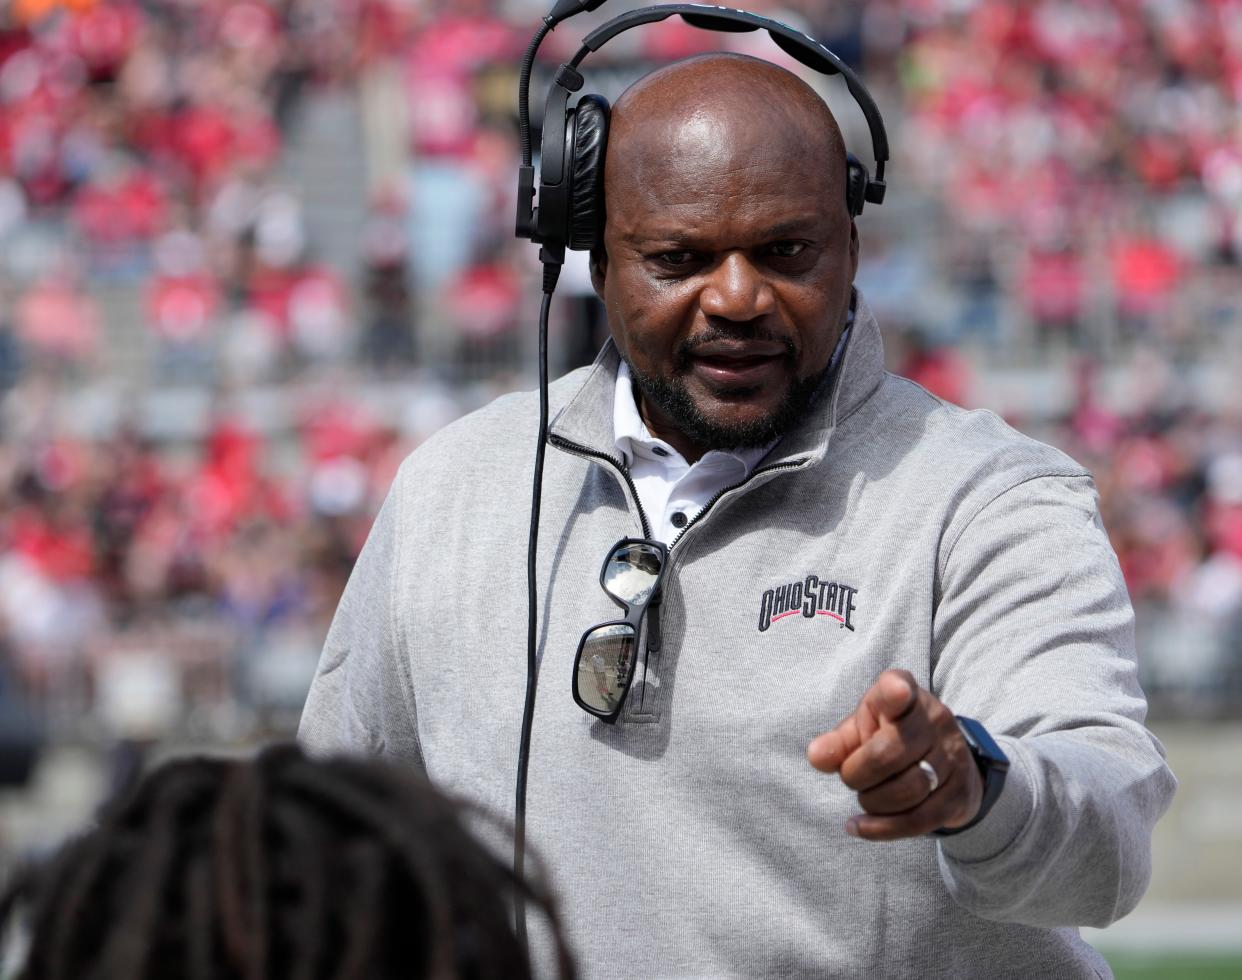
column 279, row 868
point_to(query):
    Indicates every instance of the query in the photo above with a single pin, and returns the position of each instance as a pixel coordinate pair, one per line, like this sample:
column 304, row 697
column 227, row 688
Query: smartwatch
column 992, row 763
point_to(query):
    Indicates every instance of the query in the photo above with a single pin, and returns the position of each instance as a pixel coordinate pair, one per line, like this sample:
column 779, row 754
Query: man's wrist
column 993, row 766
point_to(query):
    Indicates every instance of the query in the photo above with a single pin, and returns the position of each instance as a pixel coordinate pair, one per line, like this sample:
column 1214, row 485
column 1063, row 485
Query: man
column 743, row 416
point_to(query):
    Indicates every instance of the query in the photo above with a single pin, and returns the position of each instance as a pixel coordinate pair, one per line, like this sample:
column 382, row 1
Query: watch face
column 982, row 745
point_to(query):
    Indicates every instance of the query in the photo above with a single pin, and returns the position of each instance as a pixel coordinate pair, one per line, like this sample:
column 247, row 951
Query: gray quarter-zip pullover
column 693, row 839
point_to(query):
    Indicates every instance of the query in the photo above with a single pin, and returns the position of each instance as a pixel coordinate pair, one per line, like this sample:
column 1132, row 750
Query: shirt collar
column 582, row 406
column 632, row 437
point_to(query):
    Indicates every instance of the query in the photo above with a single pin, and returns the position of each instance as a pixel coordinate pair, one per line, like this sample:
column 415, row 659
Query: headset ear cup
column 586, row 173
column 856, row 180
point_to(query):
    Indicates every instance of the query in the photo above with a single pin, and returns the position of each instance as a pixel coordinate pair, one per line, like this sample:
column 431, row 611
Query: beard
column 672, row 397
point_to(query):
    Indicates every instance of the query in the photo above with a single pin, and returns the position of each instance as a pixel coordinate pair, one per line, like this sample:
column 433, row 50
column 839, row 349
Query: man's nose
column 737, row 290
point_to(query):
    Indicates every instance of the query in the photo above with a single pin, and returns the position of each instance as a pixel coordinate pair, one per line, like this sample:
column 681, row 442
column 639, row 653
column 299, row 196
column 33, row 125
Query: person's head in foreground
column 277, row 868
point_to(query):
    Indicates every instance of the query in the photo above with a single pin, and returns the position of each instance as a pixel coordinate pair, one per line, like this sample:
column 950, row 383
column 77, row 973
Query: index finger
column 826, row 752
column 892, row 695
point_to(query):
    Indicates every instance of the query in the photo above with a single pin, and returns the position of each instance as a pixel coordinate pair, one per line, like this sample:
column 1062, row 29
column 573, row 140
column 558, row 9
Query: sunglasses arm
column 653, row 627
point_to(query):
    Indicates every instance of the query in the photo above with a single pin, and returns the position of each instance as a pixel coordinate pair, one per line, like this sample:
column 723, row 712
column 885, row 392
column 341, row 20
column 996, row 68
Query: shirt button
column 659, row 450
column 679, row 520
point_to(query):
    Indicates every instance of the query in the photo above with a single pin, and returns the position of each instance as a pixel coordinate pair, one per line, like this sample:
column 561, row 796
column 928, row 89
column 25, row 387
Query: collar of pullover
column 586, row 421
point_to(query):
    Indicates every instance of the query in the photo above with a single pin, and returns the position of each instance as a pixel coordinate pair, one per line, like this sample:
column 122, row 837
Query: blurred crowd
column 136, row 144
column 143, row 583
column 1086, row 157
column 1169, row 474
column 1066, row 195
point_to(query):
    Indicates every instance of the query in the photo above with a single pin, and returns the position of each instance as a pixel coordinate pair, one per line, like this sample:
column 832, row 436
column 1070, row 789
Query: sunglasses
column 632, row 575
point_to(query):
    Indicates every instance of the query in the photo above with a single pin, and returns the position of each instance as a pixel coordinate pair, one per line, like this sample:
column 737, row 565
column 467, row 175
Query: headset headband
column 806, row 50
column 545, row 224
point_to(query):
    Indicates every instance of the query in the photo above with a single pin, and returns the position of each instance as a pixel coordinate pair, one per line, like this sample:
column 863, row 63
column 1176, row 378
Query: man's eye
column 787, row 250
column 675, row 259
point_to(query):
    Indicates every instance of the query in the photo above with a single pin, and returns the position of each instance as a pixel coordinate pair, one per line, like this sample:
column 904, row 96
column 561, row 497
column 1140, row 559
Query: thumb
column 892, row 695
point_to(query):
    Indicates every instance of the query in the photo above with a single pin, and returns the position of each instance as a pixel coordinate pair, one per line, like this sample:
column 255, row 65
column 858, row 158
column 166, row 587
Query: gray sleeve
column 1034, row 636
column 362, row 697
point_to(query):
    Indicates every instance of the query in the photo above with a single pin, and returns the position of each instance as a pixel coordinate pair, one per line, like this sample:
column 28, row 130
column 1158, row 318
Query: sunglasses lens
column 632, row 572
column 605, row 662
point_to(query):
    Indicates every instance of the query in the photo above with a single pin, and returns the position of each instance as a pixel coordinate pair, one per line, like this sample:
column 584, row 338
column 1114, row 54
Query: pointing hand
column 902, row 752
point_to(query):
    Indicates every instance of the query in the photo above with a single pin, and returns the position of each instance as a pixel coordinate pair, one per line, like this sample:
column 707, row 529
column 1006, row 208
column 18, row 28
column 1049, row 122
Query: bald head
column 729, row 252
column 721, row 110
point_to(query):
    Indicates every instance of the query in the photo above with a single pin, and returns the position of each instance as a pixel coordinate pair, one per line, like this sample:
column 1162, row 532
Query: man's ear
column 599, row 270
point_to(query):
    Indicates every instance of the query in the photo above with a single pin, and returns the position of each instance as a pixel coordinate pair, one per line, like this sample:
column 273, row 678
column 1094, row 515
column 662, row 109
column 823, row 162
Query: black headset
column 571, row 170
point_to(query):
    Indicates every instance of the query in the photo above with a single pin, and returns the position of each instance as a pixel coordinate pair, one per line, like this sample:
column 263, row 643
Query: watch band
column 993, row 764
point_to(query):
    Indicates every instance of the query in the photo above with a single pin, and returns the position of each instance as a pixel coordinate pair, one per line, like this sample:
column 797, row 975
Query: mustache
column 687, row 349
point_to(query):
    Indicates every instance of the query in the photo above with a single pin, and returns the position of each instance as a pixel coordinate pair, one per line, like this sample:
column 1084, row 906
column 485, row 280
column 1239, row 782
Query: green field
column 1130, row 966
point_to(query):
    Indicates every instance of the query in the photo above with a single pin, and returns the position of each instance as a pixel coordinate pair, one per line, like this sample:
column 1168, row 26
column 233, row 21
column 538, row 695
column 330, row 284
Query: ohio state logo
column 810, row 597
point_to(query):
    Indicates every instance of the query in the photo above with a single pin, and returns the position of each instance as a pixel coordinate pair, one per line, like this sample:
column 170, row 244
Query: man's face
column 729, row 262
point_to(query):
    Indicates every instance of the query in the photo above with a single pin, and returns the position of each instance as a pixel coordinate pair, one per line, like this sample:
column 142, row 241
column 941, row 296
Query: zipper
column 737, row 486
column 618, row 465
column 654, row 634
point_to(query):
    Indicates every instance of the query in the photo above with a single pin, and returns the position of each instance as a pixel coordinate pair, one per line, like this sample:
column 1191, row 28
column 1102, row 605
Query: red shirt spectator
column 440, row 75
column 485, row 300
column 383, row 28
column 103, row 35
column 180, row 309
column 204, row 139
column 1145, row 274
column 131, row 208
column 1052, row 287
column 58, row 542
column 338, row 429
column 57, row 320
column 230, row 488
column 270, row 290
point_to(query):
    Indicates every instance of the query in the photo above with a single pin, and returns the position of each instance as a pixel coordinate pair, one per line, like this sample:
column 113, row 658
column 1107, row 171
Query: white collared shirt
column 672, row 492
